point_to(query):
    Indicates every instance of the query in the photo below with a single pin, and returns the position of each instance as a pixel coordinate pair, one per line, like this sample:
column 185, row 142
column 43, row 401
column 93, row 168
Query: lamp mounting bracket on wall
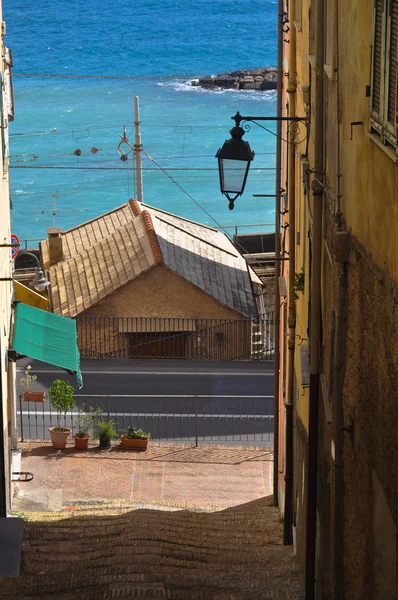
column 235, row 156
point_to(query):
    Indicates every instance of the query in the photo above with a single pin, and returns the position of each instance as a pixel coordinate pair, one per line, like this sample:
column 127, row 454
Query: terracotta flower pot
column 81, row 443
column 34, row 396
column 59, row 438
column 133, row 443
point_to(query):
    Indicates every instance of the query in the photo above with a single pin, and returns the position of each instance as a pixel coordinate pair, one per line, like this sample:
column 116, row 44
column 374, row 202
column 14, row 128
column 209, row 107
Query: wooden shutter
column 378, row 62
column 391, row 79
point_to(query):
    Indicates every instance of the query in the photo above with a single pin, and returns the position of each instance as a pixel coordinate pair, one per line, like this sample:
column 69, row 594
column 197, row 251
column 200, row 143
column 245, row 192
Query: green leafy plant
column 105, row 429
column 136, row 434
column 28, row 380
column 299, row 280
column 61, row 399
column 86, row 421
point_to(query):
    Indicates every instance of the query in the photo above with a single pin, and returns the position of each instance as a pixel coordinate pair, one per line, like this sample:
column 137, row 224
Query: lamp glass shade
column 234, row 160
column 233, row 175
column 39, row 282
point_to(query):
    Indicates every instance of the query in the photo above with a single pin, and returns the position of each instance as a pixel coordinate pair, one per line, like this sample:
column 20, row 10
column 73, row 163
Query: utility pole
column 138, row 150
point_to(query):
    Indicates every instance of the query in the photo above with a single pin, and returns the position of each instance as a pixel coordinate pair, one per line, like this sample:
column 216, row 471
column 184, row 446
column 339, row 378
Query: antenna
column 54, row 210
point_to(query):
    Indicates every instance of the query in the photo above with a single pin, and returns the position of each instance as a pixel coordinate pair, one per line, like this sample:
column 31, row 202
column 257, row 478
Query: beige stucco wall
column 160, row 293
column 5, row 286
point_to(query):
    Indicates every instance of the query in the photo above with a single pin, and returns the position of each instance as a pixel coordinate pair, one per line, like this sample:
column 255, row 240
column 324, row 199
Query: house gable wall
column 160, row 293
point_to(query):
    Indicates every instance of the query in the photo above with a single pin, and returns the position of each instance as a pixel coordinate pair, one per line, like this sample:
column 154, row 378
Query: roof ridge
column 135, row 206
column 197, row 237
column 165, row 212
column 153, row 238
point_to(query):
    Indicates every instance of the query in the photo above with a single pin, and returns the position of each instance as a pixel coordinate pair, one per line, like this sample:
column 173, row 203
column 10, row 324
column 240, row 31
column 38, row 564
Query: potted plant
column 27, row 382
column 62, row 400
column 135, row 439
column 105, row 432
column 85, row 422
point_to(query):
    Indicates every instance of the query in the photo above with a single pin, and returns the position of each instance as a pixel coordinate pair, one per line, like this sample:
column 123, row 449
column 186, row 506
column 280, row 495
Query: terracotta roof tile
column 107, row 252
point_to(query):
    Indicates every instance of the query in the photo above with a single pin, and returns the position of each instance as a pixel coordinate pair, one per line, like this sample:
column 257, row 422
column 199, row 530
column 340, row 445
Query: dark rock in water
column 245, row 79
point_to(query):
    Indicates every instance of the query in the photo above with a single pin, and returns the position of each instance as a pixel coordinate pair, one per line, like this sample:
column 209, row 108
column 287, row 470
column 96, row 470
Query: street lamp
column 235, row 156
column 234, row 160
column 39, row 283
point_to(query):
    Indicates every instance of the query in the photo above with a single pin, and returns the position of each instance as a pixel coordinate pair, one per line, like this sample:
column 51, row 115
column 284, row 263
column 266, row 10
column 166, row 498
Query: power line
column 124, row 168
column 95, row 127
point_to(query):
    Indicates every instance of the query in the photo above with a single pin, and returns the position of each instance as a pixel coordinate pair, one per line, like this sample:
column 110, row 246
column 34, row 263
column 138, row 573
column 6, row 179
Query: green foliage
column 61, row 397
column 136, row 434
column 27, row 381
column 105, row 429
column 299, row 280
column 86, row 420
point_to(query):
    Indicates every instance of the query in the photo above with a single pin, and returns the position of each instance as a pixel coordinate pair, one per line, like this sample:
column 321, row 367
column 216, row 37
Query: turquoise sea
column 77, row 68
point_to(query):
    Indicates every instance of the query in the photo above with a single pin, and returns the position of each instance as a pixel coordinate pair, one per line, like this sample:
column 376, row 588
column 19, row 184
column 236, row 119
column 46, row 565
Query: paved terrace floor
column 206, row 477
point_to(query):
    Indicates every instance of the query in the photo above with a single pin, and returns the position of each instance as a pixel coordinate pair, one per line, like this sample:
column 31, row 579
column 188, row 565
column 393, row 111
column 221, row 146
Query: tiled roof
column 105, row 253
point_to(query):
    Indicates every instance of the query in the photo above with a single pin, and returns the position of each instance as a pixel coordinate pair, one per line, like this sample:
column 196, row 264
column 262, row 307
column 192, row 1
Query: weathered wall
column 370, row 404
column 360, row 192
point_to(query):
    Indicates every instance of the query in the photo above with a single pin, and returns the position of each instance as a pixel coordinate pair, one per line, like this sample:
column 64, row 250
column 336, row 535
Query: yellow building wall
column 28, row 296
column 303, row 147
column 369, row 183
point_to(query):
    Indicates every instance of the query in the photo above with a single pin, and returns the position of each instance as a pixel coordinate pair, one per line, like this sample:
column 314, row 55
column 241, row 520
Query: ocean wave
column 186, row 86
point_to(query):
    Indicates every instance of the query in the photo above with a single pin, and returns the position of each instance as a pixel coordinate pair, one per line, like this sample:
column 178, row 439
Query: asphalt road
column 174, row 400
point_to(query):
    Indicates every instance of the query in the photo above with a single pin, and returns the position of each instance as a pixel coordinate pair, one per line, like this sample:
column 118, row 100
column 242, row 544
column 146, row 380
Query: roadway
column 218, row 401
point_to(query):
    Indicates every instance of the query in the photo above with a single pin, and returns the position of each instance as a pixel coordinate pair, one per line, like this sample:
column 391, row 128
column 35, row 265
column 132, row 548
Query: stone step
column 233, row 554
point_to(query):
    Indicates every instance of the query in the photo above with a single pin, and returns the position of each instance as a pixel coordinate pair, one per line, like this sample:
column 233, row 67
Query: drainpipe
column 291, row 191
column 315, row 321
column 278, row 190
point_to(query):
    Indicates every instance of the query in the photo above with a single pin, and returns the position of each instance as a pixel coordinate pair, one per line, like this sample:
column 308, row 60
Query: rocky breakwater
column 247, row 79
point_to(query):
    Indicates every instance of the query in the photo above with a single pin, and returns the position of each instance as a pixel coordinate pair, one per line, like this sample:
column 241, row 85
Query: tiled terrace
column 206, row 477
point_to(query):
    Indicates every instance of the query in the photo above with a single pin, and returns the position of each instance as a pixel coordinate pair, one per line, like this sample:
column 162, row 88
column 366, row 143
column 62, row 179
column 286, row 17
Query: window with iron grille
column 383, row 105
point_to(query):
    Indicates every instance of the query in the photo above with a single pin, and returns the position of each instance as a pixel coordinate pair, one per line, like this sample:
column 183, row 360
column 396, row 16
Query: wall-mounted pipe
column 291, row 342
column 278, row 188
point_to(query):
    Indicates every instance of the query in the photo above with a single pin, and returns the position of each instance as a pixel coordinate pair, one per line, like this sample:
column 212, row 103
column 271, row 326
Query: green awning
column 47, row 337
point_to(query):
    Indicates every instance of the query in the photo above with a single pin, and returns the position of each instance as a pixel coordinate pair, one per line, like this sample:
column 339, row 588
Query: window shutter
column 392, row 68
column 378, row 61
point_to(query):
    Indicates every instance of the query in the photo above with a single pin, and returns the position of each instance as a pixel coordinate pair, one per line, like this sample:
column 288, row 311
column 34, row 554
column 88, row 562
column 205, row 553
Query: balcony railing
column 180, row 338
column 241, row 420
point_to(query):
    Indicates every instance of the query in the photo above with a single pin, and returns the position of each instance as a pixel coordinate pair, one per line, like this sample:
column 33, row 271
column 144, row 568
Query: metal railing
column 241, row 420
column 180, row 338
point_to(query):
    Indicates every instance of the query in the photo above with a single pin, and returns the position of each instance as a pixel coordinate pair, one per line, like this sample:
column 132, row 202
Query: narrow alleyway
column 187, row 524
column 234, row 554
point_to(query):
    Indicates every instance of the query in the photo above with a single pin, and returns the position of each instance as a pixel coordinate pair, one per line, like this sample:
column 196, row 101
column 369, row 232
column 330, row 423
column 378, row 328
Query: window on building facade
column 297, row 16
column 330, row 38
column 383, row 105
column 311, row 32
